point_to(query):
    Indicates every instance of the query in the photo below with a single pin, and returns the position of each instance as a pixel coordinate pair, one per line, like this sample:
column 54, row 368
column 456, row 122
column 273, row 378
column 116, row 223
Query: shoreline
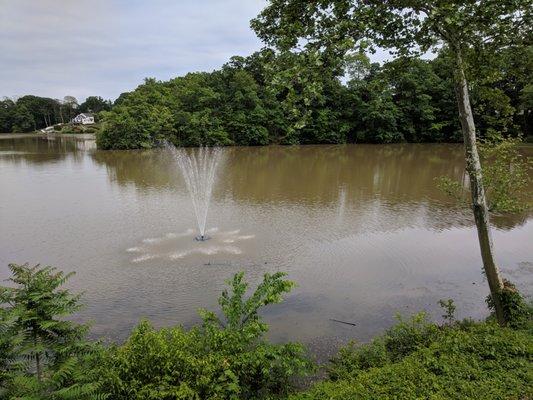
column 85, row 136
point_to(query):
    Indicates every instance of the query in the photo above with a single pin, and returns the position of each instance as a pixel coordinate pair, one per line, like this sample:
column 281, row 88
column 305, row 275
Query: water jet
column 199, row 167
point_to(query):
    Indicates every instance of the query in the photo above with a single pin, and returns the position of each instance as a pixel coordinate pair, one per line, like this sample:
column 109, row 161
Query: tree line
column 308, row 97
column 302, row 98
column 30, row 113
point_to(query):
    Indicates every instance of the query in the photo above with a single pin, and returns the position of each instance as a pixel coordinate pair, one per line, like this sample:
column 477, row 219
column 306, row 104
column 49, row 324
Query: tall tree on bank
column 407, row 27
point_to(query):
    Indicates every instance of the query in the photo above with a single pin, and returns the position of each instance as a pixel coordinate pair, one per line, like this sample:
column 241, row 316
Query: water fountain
column 199, row 168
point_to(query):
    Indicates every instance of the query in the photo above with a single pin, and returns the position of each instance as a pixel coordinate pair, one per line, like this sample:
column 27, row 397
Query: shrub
column 397, row 342
column 506, row 175
column 517, row 312
column 480, row 361
column 43, row 355
column 223, row 359
column 409, row 335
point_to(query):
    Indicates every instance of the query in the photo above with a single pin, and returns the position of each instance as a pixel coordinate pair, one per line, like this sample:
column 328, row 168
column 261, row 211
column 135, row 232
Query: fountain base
column 202, row 238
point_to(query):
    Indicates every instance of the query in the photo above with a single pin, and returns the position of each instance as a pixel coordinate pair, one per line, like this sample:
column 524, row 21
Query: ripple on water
column 178, row 246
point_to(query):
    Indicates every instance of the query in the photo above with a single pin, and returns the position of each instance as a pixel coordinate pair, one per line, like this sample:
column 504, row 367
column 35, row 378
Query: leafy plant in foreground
column 398, row 342
column 449, row 310
column 518, row 313
column 225, row 358
column 467, row 361
column 43, row 355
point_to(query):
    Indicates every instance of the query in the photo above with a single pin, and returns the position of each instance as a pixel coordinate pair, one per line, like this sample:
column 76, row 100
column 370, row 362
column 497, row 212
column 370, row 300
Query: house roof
column 86, row 115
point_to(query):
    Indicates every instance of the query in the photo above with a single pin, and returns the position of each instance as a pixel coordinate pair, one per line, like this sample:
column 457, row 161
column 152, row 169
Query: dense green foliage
column 303, row 98
column 27, row 113
column 94, row 104
column 45, row 356
column 417, row 359
column 318, row 86
column 518, row 313
column 467, row 361
column 222, row 359
column 221, row 108
column 415, row 101
column 42, row 354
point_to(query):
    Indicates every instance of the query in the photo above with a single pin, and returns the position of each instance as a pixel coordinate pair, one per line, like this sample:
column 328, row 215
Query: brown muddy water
column 362, row 229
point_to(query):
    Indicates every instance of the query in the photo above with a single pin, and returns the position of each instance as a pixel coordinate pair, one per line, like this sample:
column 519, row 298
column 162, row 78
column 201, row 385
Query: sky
column 81, row 48
column 54, row 48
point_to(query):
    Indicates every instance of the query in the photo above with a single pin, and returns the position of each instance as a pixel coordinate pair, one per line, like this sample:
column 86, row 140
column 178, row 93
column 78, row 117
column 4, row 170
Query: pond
column 361, row 229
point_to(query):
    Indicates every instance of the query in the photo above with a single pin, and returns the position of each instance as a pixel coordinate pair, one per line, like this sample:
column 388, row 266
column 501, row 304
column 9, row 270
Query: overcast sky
column 54, row 48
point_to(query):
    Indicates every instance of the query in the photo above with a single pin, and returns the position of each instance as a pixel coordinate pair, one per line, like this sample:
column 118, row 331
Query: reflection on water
column 362, row 229
column 401, row 175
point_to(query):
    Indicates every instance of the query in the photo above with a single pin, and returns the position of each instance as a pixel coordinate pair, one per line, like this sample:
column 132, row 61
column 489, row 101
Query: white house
column 84, row 119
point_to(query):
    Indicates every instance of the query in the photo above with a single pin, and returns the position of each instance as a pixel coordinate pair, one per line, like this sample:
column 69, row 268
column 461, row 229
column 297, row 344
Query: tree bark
column 479, row 202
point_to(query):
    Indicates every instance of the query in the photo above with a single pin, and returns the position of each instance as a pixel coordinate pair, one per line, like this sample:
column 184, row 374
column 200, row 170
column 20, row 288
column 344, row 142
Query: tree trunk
column 479, row 202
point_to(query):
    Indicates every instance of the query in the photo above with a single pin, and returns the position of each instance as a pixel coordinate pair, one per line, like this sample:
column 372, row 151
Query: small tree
column 42, row 354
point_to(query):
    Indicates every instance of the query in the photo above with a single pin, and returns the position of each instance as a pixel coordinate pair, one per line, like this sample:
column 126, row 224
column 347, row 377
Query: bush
column 474, row 361
column 43, row 356
column 517, row 312
column 397, row 342
column 222, row 359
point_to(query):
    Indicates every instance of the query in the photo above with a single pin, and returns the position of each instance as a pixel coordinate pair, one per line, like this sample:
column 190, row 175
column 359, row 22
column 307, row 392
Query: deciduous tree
column 407, row 27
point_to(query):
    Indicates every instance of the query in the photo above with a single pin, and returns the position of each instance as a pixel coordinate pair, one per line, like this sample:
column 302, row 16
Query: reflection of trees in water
column 387, row 178
column 142, row 168
column 44, row 149
column 508, row 222
column 396, row 173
